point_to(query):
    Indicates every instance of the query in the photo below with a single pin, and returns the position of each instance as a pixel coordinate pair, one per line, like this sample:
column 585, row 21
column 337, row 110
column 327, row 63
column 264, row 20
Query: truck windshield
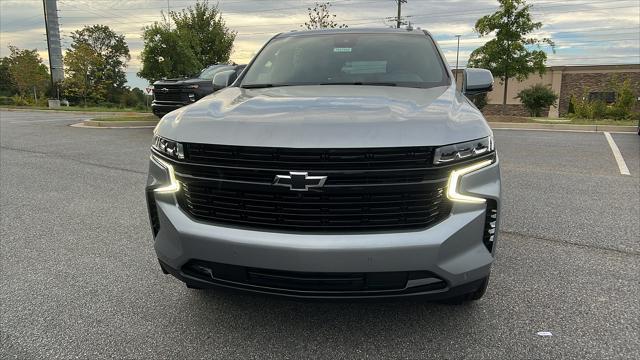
column 408, row 60
column 211, row 71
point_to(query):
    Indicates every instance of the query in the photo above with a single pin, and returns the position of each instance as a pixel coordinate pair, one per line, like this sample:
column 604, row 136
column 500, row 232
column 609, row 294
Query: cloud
column 586, row 31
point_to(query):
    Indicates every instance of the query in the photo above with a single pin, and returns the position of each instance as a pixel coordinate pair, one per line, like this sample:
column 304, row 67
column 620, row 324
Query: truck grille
column 168, row 93
column 367, row 190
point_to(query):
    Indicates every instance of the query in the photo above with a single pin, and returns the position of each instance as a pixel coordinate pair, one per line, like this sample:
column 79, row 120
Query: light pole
column 457, row 56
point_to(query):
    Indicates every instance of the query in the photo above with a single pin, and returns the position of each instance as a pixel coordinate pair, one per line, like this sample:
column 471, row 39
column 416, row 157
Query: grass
column 77, row 108
column 574, row 121
column 146, row 117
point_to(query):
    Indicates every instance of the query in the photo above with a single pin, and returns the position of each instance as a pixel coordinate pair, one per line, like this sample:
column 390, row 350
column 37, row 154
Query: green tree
column 512, row 52
column 200, row 38
column 27, row 72
column 536, row 98
column 320, row 17
column 6, row 83
column 205, row 32
column 110, row 54
column 83, row 81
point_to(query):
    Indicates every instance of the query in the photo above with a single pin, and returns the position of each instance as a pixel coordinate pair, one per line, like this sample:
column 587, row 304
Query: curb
column 563, row 127
column 96, row 113
column 96, row 124
column 118, row 124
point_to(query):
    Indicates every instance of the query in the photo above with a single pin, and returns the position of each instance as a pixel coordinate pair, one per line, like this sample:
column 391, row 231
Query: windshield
column 211, row 71
column 358, row 59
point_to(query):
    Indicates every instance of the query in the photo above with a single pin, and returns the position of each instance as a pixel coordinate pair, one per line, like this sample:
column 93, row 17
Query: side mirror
column 476, row 81
column 223, row 79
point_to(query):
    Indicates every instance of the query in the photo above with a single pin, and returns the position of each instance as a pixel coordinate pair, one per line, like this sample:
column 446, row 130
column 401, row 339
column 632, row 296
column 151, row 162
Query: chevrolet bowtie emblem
column 299, row 181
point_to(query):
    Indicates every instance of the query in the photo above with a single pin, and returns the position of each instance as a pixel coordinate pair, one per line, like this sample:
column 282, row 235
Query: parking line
column 624, row 170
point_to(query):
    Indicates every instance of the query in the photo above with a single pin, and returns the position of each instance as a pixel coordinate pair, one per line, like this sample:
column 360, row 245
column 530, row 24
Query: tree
column 6, row 83
column 165, row 55
column 511, row 53
column 205, row 32
column 320, row 18
column 109, row 53
column 536, row 98
column 26, row 71
column 200, row 38
column 83, row 68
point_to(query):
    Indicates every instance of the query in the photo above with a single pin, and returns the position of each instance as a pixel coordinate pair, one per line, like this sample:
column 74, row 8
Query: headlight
column 173, row 185
column 194, row 86
column 462, row 151
column 168, row 147
column 454, row 182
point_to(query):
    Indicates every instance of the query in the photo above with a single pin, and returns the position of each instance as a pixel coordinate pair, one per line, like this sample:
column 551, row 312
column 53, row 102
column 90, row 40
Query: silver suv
column 340, row 164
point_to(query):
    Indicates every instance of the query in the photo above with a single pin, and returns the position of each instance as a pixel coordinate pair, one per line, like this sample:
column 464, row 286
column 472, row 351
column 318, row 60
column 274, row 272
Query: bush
column 6, row 100
column 19, row 100
column 537, row 98
column 480, row 101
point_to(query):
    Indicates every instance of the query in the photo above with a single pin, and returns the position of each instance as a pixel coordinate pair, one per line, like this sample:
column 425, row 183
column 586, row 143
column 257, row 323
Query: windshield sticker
column 342, row 50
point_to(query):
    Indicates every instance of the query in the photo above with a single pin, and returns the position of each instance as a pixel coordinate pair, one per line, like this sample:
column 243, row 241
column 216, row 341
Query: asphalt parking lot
column 80, row 279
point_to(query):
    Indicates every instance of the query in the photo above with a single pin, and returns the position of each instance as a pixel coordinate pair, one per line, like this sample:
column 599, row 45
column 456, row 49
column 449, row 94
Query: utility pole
column 54, row 47
column 168, row 15
column 398, row 22
column 457, row 56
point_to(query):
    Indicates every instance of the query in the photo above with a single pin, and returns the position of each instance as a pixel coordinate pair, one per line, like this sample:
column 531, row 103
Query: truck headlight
column 173, row 185
column 463, row 151
column 168, row 147
column 454, row 182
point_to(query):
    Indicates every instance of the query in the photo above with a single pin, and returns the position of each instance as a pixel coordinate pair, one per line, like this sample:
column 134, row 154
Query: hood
column 179, row 81
column 327, row 116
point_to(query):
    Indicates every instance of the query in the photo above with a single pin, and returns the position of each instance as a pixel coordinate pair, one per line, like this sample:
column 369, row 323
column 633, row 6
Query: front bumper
column 451, row 251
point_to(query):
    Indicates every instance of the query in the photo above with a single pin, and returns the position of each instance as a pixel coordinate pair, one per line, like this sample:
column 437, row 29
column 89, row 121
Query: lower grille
column 314, row 282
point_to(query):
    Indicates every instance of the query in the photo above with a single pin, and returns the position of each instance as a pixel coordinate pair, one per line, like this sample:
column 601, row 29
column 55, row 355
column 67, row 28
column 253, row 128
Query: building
column 593, row 81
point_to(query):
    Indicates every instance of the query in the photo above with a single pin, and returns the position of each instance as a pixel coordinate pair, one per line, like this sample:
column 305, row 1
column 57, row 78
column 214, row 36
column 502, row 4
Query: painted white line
column 554, row 130
column 624, row 170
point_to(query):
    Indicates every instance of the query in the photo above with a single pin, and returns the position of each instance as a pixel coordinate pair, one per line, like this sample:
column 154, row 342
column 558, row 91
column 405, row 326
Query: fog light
column 454, row 183
column 192, row 97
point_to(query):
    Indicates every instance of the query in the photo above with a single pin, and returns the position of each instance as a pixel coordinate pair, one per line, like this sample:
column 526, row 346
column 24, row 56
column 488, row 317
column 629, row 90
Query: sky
column 585, row 31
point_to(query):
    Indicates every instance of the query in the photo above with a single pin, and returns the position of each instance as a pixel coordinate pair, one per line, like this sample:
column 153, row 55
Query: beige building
column 566, row 81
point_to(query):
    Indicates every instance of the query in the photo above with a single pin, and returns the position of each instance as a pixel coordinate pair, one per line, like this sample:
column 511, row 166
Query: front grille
column 367, row 190
column 169, row 96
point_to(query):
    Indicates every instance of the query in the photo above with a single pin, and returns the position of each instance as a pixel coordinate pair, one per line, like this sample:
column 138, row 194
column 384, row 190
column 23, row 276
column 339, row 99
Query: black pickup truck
column 171, row 94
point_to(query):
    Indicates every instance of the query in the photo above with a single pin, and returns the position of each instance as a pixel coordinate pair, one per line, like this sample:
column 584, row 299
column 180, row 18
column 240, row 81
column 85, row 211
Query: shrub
column 536, row 98
column 19, row 100
column 623, row 107
column 480, row 100
column 6, row 100
column 572, row 105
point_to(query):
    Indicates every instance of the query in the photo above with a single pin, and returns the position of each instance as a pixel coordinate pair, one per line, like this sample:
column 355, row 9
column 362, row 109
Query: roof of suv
column 353, row 31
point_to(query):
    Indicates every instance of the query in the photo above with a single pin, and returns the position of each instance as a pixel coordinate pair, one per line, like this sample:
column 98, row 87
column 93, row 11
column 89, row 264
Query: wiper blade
column 361, row 83
column 261, row 86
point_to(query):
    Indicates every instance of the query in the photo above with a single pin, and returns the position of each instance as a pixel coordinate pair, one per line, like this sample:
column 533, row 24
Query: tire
column 471, row 296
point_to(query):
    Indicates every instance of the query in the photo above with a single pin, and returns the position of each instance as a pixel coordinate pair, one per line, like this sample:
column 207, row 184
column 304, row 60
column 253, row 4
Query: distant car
column 171, row 94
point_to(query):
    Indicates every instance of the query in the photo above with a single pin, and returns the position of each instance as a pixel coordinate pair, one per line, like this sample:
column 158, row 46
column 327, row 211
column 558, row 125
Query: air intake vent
column 153, row 213
column 490, row 224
